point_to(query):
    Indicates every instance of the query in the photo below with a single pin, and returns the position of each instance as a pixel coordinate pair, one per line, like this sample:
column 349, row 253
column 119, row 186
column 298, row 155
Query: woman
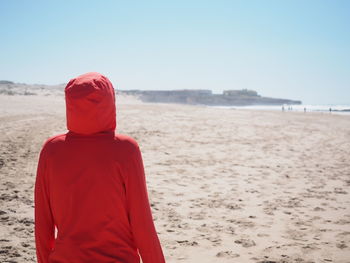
column 91, row 187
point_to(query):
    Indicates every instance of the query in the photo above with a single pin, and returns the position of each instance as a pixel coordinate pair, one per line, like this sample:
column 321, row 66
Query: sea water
column 337, row 109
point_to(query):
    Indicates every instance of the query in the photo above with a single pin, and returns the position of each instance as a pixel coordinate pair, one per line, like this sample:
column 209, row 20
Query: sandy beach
column 224, row 185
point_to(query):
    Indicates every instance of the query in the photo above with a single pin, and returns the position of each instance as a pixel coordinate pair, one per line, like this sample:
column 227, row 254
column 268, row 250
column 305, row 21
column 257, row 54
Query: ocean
column 336, row 109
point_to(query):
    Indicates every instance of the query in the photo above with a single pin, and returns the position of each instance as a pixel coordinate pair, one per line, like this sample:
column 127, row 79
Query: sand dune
column 225, row 185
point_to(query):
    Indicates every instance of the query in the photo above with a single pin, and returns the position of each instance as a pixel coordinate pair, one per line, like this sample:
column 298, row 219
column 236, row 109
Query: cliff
column 195, row 97
column 206, row 97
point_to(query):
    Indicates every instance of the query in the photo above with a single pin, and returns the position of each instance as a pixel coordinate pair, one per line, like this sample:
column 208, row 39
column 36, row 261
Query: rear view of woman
column 91, row 186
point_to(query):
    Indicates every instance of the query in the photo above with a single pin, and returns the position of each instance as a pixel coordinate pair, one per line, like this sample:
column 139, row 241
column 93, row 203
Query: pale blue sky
column 289, row 49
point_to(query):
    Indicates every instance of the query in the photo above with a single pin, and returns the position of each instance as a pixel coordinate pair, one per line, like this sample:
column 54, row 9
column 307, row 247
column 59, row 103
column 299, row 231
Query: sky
column 285, row 49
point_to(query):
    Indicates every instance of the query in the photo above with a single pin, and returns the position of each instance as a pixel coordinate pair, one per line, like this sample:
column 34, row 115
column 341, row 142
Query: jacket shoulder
column 50, row 142
column 127, row 143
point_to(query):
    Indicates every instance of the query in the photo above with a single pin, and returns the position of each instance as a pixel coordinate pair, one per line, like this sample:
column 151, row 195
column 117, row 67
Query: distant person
column 330, row 110
column 304, row 109
column 91, row 186
column 282, row 108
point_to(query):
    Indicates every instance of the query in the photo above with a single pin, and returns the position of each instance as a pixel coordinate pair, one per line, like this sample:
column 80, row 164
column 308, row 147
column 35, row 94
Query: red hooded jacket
column 91, row 186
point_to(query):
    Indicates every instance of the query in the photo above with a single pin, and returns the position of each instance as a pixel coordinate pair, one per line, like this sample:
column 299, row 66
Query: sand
column 225, row 185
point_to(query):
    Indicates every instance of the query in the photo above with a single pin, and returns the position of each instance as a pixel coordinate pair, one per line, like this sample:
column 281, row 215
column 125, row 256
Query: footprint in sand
column 187, row 243
column 341, row 245
column 227, row 254
column 245, row 242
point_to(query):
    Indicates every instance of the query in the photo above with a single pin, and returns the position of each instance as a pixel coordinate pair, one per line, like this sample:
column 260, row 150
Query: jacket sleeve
column 44, row 224
column 140, row 214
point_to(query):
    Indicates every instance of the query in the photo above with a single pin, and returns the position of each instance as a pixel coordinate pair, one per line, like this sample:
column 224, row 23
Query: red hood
column 90, row 104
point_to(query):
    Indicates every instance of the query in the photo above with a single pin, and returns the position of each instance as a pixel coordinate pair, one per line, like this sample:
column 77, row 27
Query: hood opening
column 90, row 104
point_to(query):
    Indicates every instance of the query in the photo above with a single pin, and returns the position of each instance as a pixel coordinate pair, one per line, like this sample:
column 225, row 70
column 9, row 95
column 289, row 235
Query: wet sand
column 225, row 185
